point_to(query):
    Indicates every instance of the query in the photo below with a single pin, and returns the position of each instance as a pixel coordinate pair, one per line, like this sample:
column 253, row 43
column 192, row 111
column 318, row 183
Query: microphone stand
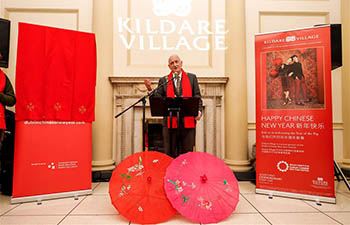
column 143, row 100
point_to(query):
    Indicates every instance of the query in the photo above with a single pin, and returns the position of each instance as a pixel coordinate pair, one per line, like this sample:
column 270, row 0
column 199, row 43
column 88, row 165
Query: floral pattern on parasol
column 201, row 187
column 137, row 190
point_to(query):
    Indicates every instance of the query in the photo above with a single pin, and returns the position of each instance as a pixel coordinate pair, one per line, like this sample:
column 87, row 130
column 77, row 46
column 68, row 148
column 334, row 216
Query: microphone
column 162, row 84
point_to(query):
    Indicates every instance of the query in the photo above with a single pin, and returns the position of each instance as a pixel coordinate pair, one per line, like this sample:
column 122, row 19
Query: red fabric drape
column 55, row 74
column 186, row 92
column 2, row 107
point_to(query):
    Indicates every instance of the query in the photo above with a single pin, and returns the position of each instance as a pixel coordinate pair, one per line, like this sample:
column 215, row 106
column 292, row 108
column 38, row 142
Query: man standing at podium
column 183, row 85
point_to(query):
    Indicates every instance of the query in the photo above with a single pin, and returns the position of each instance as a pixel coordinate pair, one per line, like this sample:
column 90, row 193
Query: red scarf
column 186, row 92
column 2, row 107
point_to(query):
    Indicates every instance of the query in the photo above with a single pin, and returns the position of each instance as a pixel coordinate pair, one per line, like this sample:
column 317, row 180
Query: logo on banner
column 290, row 38
column 282, row 166
column 320, row 182
column 52, row 166
column 168, row 7
column 58, row 165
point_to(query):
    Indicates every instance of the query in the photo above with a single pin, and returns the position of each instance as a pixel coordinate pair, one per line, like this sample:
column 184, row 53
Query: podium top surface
column 187, row 106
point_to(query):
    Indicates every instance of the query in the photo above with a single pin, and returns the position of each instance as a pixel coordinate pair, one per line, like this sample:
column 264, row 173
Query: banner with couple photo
column 294, row 133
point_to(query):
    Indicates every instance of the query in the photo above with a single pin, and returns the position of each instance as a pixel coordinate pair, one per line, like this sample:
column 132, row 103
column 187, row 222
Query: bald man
column 184, row 85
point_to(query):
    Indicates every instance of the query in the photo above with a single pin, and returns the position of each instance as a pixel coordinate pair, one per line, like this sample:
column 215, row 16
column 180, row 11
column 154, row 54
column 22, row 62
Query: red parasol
column 201, row 187
column 137, row 191
column 277, row 62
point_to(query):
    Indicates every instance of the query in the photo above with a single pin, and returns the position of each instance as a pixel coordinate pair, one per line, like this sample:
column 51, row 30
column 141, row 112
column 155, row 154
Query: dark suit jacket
column 194, row 85
column 297, row 70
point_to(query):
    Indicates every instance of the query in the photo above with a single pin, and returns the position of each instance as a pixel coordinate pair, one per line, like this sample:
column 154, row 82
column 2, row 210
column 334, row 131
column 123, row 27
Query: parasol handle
column 149, row 179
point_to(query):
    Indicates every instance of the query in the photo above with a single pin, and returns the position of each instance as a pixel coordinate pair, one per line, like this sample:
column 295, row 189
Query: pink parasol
column 201, row 187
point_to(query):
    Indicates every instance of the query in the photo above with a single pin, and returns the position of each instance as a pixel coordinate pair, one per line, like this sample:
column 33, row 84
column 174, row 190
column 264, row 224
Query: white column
column 236, row 128
column 102, row 151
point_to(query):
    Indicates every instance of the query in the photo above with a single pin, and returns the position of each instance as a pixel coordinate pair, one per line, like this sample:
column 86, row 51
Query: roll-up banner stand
column 52, row 160
column 55, row 90
column 294, row 133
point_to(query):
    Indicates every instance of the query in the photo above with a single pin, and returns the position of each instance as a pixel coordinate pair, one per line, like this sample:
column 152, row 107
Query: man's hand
column 199, row 116
column 148, row 84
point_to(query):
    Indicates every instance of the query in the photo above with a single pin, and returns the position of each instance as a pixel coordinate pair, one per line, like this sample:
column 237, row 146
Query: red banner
column 55, row 74
column 294, row 133
column 51, row 157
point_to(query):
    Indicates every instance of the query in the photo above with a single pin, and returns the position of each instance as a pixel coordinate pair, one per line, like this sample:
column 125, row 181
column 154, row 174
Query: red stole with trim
column 186, row 92
column 2, row 107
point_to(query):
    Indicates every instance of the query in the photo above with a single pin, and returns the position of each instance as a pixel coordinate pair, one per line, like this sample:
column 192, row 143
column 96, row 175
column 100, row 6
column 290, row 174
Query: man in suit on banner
column 297, row 73
column 184, row 85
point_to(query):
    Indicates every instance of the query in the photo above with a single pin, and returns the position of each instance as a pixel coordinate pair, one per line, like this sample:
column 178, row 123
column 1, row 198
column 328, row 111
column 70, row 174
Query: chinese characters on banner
column 294, row 134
